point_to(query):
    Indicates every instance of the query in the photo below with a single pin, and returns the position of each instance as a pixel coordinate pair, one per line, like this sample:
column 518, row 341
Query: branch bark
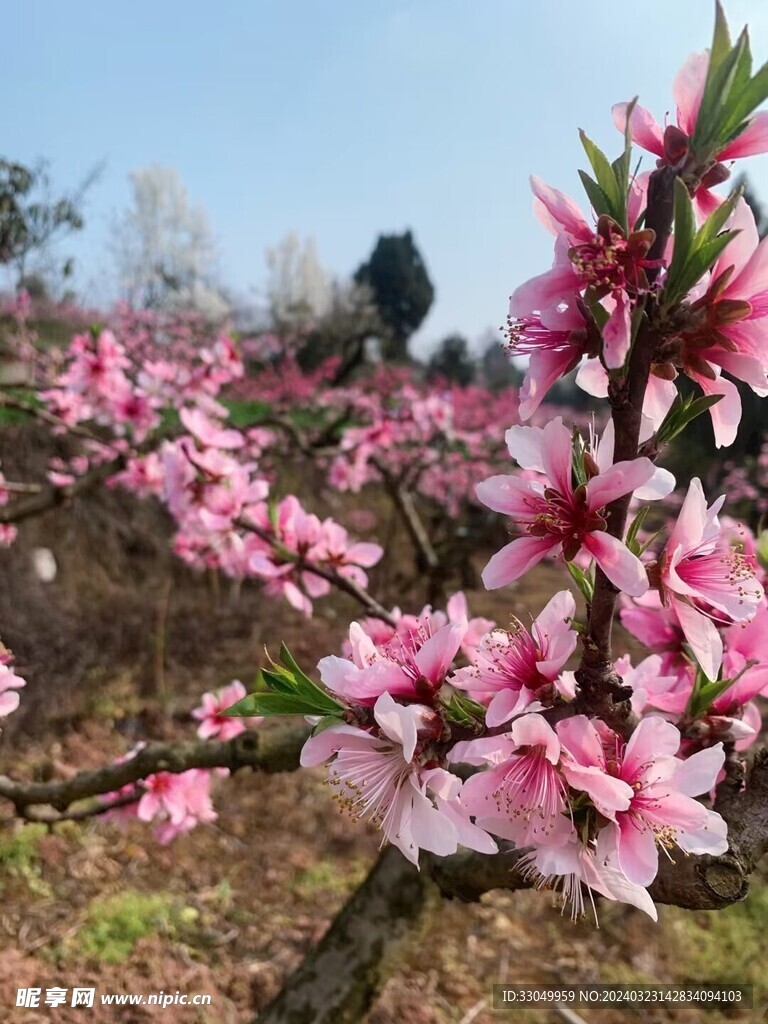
column 369, row 603
column 601, row 691
column 50, row 496
column 270, row 750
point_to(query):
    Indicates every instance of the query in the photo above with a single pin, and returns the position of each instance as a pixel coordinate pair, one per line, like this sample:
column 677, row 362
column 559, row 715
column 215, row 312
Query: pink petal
column 544, row 369
column 638, row 856
column 544, row 291
column 509, row 495
column 434, row 659
column 698, row 773
column 457, row 607
column 506, row 704
column 593, row 378
column 726, row 414
column 643, row 127
column 692, row 519
column 609, row 795
column 432, row 830
column 581, row 740
column 617, row 335
column 334, row 671
column 319, row 749
column 558, row 212
column 365, row 554
column 525, row 445
column 534, row 731
column 739, row 250
column 702, row 636
column 653, row 738
column 621, row 478
column 398, row 722
column 746, row 368
column 557, row 455
column 659, row 396
column 515, row 559
column 622, row 568
column 752, row 282
column 688, row 89
column 468, row 835
column 752, row 141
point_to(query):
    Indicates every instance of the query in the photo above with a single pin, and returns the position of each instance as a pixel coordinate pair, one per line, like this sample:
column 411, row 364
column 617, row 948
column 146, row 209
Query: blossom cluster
column 591, row 802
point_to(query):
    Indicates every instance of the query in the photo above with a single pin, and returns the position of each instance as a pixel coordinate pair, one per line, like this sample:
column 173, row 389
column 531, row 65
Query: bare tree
column 164, row 247
column 299, row 288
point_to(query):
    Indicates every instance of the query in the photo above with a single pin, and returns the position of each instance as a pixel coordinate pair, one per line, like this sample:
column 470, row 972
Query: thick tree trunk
column 337, row 982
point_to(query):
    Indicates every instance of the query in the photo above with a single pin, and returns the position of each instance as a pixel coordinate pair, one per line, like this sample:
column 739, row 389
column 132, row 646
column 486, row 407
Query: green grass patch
column 20, row 857
column 114, row 924
column 328, row 877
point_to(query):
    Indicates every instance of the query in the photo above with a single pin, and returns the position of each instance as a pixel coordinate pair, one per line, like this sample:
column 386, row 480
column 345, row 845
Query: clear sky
column 341, row 119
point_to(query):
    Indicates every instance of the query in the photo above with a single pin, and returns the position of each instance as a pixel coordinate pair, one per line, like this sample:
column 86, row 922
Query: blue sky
column 341, row 119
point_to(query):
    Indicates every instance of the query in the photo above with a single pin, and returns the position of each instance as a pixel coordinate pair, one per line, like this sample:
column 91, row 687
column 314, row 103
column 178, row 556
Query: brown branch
column 333, row 577
column 402, row 498
column 46, row 416
column 601, row 690
column 270, row 750
column 51, row 496
column 48, row 816
column 696, row 883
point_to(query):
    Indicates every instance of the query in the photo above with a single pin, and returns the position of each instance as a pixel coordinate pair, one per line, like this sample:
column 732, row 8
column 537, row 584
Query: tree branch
column 402, row 499
column 601, row 690
column 333, row 577
column 270, row 750
column 51, row 496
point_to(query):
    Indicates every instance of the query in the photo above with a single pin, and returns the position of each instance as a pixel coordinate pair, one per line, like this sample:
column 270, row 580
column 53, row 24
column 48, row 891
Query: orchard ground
column 119, row 649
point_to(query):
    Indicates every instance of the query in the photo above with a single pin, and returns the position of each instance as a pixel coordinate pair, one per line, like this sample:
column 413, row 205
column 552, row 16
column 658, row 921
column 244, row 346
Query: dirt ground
column 118, row 649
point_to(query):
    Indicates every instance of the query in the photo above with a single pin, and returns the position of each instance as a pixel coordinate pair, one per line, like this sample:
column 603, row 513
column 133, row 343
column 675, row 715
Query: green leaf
column 577, row 459
column 621, row 171
column 717, row 220
column 632, row 542
column 706, row 691
column 583, row 580
column 701, row 257
column 752, row 95
column 290, row 692
column 461, row 710
column 598, row 198
column 721, row 39
column 604, row 174
column 762, row 548
column 714, row 108
column 685, row 233
column 681, row 413
column 268, row 704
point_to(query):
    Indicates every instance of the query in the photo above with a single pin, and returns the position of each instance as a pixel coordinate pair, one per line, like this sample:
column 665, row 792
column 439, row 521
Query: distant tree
column 497, row 368
column 164, row 248
column 349, row 322
column 31, row 218
column 452, row 361
column 299, row 288
column 401, row 288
